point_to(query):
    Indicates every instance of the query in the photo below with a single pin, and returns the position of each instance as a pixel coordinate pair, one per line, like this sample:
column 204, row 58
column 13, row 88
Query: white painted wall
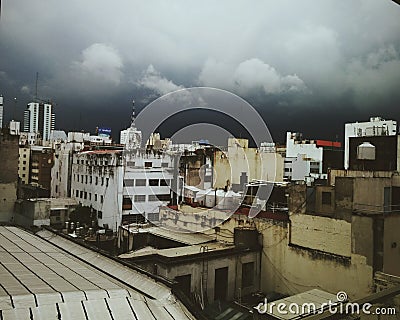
column 102, row 196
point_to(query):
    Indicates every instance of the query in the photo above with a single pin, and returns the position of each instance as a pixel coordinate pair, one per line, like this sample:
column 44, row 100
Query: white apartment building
column 376, row 126
column 28, row 138
column 14, row 128
column 39, row 118
column 148, row 179
column 96, row 182
column 303, row 161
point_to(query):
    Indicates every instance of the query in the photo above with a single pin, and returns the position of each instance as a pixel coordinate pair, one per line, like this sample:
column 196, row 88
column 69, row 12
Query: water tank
column 245, row 237
column 366, row 151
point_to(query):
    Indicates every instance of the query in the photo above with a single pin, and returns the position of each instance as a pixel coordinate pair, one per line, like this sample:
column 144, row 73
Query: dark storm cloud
column 290, row 58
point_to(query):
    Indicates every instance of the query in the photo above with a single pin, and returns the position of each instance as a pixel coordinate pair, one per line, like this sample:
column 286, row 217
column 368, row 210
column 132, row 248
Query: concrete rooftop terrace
column 46, row 276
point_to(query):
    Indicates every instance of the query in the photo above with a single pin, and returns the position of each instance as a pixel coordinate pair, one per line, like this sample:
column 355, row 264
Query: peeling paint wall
column 240, row 158
column 234, row 264
column 391, row 245
column 320, row 233
column 289, row 269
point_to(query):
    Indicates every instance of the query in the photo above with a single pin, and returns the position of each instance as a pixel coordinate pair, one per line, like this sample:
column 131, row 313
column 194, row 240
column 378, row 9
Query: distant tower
column 1, row 111
column 39, row 117
column 131, row 137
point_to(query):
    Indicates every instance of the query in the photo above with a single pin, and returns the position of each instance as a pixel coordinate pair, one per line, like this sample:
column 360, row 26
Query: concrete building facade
column 241, row 164
column 96, row 182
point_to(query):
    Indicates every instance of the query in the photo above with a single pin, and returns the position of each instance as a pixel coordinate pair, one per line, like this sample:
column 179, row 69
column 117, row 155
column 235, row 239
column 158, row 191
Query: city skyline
column 336, row 62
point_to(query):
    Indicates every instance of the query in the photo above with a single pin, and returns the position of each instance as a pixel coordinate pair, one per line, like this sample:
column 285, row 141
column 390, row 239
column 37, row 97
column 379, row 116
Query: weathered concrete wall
column 240, row 158
column 369, row 194
column 290, row 269
column 321, row 233
column 234, row 264
column 335, row 173
column 391, row 245
column 8, row 196
column 362, row 234
column 320, row 206
column 297, row 199
column 8, row 174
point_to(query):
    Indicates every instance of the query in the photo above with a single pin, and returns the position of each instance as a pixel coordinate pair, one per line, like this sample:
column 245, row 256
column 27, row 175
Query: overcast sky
column 306, row 66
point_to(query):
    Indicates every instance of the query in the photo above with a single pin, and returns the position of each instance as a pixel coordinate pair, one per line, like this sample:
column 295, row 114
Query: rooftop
column 46, row 276
column 177, row 252
column 175, row 235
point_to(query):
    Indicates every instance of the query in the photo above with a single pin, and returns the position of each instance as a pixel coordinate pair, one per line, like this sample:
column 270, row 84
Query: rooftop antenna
column 133, row 117
column 36, row 83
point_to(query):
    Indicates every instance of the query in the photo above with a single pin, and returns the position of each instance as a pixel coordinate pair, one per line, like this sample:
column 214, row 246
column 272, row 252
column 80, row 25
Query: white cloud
column 153, row 80
column 249, row 76
column 100, row 62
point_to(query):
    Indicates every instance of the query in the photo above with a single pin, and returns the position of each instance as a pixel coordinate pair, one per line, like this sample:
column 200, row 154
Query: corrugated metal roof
column 39, row 280
column 181, row 236
column 300, row 302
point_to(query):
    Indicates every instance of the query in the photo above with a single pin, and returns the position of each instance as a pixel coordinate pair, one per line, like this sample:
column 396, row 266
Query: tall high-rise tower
column 39, row 117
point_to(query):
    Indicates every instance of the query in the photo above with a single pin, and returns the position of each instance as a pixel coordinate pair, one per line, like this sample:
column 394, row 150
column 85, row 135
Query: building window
column 164, row 197
column 77, row 193
column 99, row 214
column 153, row 197
column 129, row 182
column 95, row 197
column 164, row 183
column 107, row 179
column 164, row 164
column 140, row 198
column 90, row 196
column 86, row 179
column 81, row 194
column 247, row 274
column 153, row 182
column 85, row 195
column 148, row 164
column 102, row 181
column 126, row 203
column 326, row 198
column 82, row 178
column 97, row 180
column 90, row 179
column 101, row 199
column 130, row 163
column 140, row 182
